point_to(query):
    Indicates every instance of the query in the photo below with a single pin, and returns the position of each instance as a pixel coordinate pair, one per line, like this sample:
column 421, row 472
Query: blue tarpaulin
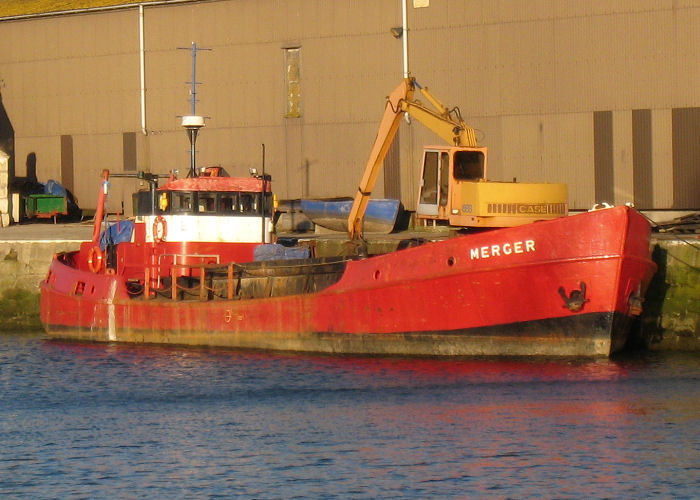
column 274, row 251
column 116, row 233
column 54, row 188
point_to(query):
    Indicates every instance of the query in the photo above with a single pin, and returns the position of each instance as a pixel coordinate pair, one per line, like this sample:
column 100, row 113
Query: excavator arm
column 446, row 123
column 385, row 136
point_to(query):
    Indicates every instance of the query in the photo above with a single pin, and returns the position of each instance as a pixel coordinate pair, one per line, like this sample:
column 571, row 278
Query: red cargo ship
column 187, row 272
column 568, row 286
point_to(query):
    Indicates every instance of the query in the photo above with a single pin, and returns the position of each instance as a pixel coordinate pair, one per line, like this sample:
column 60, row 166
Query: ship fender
column 160, row 229
column 95, row 258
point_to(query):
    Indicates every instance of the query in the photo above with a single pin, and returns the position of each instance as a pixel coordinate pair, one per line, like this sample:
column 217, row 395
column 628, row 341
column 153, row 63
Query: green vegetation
column 672, row 310
column 681, row 307
column 24, row 7
column 19, row 310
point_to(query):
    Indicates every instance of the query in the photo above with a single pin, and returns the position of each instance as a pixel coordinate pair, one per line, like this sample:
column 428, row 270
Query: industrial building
column 600, row 95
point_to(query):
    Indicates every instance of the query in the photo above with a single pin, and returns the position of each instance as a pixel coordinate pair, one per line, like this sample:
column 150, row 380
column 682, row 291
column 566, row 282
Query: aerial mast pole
column 193, row 122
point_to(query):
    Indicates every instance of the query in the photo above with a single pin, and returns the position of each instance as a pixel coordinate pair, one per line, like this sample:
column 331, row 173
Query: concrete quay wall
column 23, row 264
column 671, row 318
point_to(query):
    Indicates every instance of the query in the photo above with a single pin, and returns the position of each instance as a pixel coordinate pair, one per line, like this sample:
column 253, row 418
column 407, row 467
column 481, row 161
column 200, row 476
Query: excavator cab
column 444, row 167
column 454, row 191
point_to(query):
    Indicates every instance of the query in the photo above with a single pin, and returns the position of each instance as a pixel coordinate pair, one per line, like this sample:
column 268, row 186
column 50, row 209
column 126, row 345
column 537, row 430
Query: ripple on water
column 90, row 420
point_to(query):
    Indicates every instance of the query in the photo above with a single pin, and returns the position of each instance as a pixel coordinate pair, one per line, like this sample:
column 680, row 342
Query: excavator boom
column 385, row 136
column 451, row 128
column 454, row 132
column 446, row 123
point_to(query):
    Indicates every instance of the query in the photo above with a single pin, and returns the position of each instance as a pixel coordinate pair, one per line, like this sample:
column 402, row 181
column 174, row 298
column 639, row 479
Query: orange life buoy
column 160, row 229
column 95, row 259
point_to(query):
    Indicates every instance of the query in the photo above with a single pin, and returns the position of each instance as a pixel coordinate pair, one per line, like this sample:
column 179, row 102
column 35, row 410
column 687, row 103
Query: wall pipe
column 142, row 69
column 404, row 38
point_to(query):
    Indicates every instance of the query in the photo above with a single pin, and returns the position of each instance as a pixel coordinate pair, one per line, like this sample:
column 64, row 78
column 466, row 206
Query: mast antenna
column 193, row 122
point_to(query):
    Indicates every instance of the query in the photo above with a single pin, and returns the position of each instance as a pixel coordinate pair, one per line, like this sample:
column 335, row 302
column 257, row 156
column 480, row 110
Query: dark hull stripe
column 603, row 334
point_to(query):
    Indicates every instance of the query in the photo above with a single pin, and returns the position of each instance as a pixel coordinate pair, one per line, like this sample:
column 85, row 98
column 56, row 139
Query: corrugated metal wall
column 642, row 158
column 686, row 157
column 587, row 93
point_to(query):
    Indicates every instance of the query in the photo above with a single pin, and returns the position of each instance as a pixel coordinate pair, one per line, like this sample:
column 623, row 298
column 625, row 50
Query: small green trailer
column 45, row 206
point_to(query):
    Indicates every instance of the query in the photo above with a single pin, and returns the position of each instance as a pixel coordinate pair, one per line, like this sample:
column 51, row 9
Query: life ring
column 160, row 229
column 95, row 259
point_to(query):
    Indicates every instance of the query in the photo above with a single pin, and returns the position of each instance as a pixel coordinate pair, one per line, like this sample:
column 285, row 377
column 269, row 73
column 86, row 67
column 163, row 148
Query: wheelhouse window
column 228, row 202
column 248, row 203
column 182, row 202
column 206, row 203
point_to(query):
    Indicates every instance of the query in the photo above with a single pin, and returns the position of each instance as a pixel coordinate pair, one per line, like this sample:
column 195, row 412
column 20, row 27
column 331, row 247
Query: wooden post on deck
column 202, row 284
column 229, row 281
column 147, row 284
column 173, row 282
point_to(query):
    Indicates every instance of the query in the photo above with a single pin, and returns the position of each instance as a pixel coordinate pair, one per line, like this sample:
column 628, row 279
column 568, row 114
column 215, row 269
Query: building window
column 292, row 76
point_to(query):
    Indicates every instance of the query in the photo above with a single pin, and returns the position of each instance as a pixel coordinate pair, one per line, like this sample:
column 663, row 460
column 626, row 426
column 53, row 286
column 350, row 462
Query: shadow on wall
column 29, row 184
column 652, row 331
column 7, row 164
column 7, row 137
column 44, row 199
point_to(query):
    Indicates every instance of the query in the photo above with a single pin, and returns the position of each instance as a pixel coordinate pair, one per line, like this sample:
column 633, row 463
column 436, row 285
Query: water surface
column 86, row 420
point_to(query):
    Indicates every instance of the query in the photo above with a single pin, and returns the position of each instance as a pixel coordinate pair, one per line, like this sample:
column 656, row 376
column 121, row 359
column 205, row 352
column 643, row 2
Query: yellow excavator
column 453, row 187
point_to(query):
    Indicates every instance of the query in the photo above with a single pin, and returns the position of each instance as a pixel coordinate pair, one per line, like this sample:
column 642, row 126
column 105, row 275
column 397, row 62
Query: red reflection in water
column 476, row 370
column 429, row 428
column 481, row 369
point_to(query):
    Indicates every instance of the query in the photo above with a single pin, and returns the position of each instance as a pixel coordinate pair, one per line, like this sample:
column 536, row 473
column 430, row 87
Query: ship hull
column 568, row 287
column 595, row 334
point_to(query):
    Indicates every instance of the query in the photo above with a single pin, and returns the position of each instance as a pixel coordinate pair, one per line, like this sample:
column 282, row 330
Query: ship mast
column 193, row 122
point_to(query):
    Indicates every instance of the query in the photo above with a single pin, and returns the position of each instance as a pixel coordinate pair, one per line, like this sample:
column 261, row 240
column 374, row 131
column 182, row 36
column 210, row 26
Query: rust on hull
column 550, row 337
